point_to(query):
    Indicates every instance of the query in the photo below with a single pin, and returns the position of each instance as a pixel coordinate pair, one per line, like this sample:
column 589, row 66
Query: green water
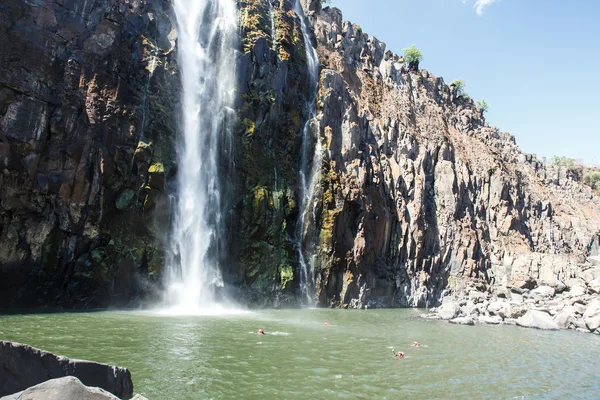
column 222, row 357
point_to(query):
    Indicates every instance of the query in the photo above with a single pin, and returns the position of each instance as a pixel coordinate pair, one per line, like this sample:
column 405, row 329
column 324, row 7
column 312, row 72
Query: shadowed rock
column 23, row 366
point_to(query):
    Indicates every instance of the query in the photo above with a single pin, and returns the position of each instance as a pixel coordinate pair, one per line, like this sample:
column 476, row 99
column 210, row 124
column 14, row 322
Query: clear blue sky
column 535, row 62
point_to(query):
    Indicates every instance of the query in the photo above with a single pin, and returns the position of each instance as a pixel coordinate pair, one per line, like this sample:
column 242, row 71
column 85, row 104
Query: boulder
column 462, row 321
column 516, row 298
column 591, row 316
column 493, row 320
column 566, row 317
column 477, row 297
column 594, row 260
column 590, row 275
column 65, row 388
column 579, row 307
column 557, row 285
column 528, row 283
column 577, row 291
column 538, row 320
column 574, row 282
column 449, row 309
column 544, row 291
column 23, row 366
column 594, row 286
column 500, row 308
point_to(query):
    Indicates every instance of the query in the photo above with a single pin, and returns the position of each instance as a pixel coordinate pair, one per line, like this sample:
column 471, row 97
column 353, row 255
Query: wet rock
column 66, row 388
column 462, row 321
column 23, row 366
column 492, row 320
column 538, row 320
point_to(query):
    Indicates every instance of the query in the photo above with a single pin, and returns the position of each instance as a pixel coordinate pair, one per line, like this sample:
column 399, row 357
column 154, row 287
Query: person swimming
column 416, row 344
column 261, row 332
column 326, row 323
column 399, row 354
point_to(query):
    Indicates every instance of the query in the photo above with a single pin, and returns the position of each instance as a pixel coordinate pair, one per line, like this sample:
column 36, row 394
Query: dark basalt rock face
column 415, row 196
column 88, row 92
column 22, row 366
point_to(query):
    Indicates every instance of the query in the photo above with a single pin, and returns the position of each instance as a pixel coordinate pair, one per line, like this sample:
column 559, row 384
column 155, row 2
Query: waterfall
column 273, row 29
column 207, row 39
column 308, row 173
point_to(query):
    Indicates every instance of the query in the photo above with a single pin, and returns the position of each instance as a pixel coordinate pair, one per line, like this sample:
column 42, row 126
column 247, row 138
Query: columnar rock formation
column 416, row 194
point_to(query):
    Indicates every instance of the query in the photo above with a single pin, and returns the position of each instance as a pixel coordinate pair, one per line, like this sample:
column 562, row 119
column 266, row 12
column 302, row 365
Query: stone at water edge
column 448, row 310
column 566, row 317
column 462, row 321
column 492, row 320
column 538, row 320
column 591, row 316
column 65, row 388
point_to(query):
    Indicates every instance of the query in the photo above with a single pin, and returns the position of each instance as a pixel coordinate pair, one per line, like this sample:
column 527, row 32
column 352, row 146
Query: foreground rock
column 66, row 388
column 22, row 367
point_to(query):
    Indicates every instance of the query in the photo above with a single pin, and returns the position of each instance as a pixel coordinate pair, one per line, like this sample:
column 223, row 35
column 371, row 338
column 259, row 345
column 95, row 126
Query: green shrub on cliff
column 459, row 86
column 592, row 179
column 412, row 56
column 562, row 161
column 482, row 105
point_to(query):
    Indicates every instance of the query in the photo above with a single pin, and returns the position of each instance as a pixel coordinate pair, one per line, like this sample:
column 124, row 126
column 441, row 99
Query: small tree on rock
column 459, row 87
column 412, row 56
column 482, row 105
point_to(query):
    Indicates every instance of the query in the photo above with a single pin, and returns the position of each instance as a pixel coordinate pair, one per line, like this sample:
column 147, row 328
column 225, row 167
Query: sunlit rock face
column 411, row 193
column 420, row 194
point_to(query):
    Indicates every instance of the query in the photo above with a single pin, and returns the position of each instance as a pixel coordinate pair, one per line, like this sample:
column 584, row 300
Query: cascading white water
column 308, row 174
column 207, row 38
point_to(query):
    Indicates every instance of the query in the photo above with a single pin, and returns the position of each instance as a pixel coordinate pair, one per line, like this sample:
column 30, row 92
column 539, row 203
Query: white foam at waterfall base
column 207, row 37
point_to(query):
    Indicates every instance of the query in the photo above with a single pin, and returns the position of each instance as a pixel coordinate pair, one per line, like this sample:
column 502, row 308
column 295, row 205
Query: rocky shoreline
column 572, row 304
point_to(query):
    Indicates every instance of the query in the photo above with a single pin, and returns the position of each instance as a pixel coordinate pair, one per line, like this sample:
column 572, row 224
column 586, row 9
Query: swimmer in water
column 399, row 354
column 261, row 332
column 416, row 344
column 326, row 323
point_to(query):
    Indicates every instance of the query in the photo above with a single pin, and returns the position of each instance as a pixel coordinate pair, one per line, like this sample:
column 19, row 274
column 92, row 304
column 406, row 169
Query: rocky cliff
column 88, row 94
column 415, row 195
